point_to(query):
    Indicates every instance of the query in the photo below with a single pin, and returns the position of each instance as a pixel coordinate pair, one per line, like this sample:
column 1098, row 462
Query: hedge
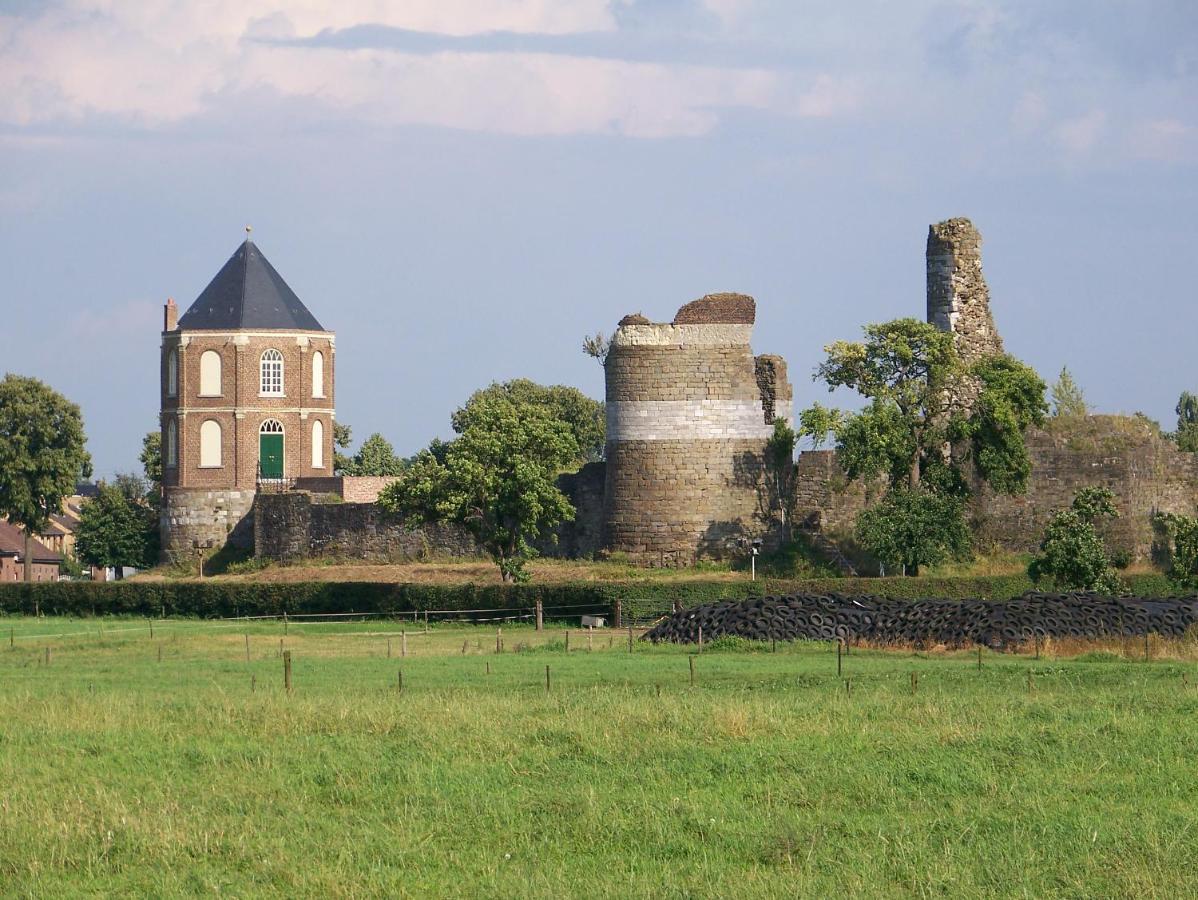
column 215, row 599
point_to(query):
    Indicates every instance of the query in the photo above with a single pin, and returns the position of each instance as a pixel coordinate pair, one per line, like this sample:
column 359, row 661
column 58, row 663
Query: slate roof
column 248, row 293
column 12, row 543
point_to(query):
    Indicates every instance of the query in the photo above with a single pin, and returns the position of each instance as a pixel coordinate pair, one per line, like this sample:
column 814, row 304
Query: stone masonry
column 689, row 412
column 958, row 298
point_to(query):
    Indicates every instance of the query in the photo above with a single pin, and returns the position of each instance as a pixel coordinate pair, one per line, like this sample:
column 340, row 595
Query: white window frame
column 318, row 375
column 317, row 444
column 220, row 373
column 220, row 448
column 270, row 374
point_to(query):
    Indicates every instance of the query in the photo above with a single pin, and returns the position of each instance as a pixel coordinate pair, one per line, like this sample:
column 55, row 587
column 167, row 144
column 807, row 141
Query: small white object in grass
column 593, row 621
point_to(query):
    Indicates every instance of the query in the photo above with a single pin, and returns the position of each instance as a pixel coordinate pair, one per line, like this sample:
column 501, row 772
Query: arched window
column 317, row 374
column 172, row 374
column 210, row 374
column 318, row 444
column 272, row 374
column 270, row 449
column 172, row 443
column 210, row 444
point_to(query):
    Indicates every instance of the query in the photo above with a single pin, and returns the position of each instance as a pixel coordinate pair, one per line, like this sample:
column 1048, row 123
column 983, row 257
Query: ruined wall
column 350, row 488
column 1146, row 472
column 289, row 526
column 583, row 537
column 201, row 518
column 687, row 424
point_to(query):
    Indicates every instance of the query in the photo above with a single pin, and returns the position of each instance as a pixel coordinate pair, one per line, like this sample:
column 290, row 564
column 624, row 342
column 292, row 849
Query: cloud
column 1080, row 134
column 1166, row 140
column 829, row 96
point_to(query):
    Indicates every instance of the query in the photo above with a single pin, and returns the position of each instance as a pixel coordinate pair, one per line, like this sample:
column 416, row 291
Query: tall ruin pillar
column 958, row 299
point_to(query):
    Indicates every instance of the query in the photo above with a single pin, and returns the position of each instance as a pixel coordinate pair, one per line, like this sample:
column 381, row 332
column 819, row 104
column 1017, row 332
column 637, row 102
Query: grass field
column 196, row 773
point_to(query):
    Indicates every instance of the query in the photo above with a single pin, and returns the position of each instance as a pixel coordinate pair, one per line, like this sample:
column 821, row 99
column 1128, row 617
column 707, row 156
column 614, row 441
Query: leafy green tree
column 376, row 456
column 341, row 441
column 41, row 455
column 1182, row 532
column 1072, row 556
column 497, row 479
column 585, row 417
column 151, row 458
column 116, row 530
column 133, row 487
column 1187, row 422
column 1068, row 401
column 780, row 468
column 817, row 422
column 914, row 528
column 906, row 368
column 1011, row 399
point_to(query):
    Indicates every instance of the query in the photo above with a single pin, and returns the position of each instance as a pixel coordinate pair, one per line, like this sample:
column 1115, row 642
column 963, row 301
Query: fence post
column 399, row 681
column 388, row 648
column 546, row 679
column 979, row 657
column 151, row 621
column 464, row 643
column 540, row 615
column 700, row 638
column 403, row 643
column 160, row 653
column 287, row 670
column 247, row 648
column 11, row 638
column 692, row 662
column 499, row 639
column 567, row 640
column 590, row 638
column 617, row 614
column 284, row 623
column 47, row 656
column 426, row 621
column 839, row 644
column 629, row 638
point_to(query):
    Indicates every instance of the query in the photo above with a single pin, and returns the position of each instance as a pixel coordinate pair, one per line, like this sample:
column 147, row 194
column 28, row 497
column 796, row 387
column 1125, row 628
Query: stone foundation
column 195, row 519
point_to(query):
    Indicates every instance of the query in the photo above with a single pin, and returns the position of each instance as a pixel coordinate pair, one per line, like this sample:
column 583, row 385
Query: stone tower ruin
column 958, row 299
column 689, row 413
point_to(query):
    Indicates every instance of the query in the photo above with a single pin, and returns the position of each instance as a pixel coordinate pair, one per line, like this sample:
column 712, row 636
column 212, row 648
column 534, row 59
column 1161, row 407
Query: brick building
column 12, row 556
column 247, row 382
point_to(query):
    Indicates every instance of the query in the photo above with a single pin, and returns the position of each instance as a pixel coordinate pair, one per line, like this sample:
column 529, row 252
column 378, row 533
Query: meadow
column 173, row 765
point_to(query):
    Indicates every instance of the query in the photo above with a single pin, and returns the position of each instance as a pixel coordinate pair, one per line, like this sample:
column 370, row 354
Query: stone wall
column 1146, row 472
column 689, row 412
column 193, row 519
column 581, row 538
column 289, row 526
column 350, row 488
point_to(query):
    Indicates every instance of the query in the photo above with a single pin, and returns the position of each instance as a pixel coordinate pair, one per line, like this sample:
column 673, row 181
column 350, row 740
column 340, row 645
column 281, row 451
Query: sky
column 464, row 189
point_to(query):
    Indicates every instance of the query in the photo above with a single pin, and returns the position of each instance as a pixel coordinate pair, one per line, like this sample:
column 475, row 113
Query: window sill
column 207, row 468
column 279, row 396
column 209, row 396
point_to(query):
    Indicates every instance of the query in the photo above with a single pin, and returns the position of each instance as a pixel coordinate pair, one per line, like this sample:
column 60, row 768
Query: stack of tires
column 951, row 622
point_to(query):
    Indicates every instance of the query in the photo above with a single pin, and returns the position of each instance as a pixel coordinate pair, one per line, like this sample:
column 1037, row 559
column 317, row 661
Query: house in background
column 12, row 556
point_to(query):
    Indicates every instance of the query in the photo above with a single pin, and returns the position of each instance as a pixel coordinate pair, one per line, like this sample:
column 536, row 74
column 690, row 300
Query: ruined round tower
column 958, row 298
column 689, row 413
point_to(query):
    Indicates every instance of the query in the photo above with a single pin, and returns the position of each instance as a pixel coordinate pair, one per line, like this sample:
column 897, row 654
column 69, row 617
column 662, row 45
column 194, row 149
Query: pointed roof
column 248, row 293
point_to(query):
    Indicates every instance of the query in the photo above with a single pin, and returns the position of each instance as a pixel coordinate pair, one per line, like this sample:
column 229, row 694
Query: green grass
column 123, row 774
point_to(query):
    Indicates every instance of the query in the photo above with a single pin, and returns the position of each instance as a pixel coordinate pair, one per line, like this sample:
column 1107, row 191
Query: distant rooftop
column 248, row 293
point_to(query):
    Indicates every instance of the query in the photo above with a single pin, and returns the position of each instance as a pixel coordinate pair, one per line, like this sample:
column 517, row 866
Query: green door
column 270, row 456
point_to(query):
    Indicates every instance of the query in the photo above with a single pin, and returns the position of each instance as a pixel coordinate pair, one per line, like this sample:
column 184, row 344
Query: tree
column 497, row 479
column 42, row 455
column 780, row 468
column 116, row 530
column 1072, row 556
column 1187, row 422
column 915, row 527
column 1182, row 532
column 1067, row 397
column 916, row 386
column 376, row 456
column 585, row 417
column 597, row 346
column 906, row 368
column 151, row 458
column 817, row 422
column 341, row 441
column 133, row 487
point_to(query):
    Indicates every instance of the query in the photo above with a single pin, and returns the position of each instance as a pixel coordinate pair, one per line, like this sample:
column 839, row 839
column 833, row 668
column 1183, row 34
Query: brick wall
column 351, row 488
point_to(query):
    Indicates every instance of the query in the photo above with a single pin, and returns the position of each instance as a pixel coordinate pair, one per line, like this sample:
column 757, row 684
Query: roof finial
column 248, row 229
